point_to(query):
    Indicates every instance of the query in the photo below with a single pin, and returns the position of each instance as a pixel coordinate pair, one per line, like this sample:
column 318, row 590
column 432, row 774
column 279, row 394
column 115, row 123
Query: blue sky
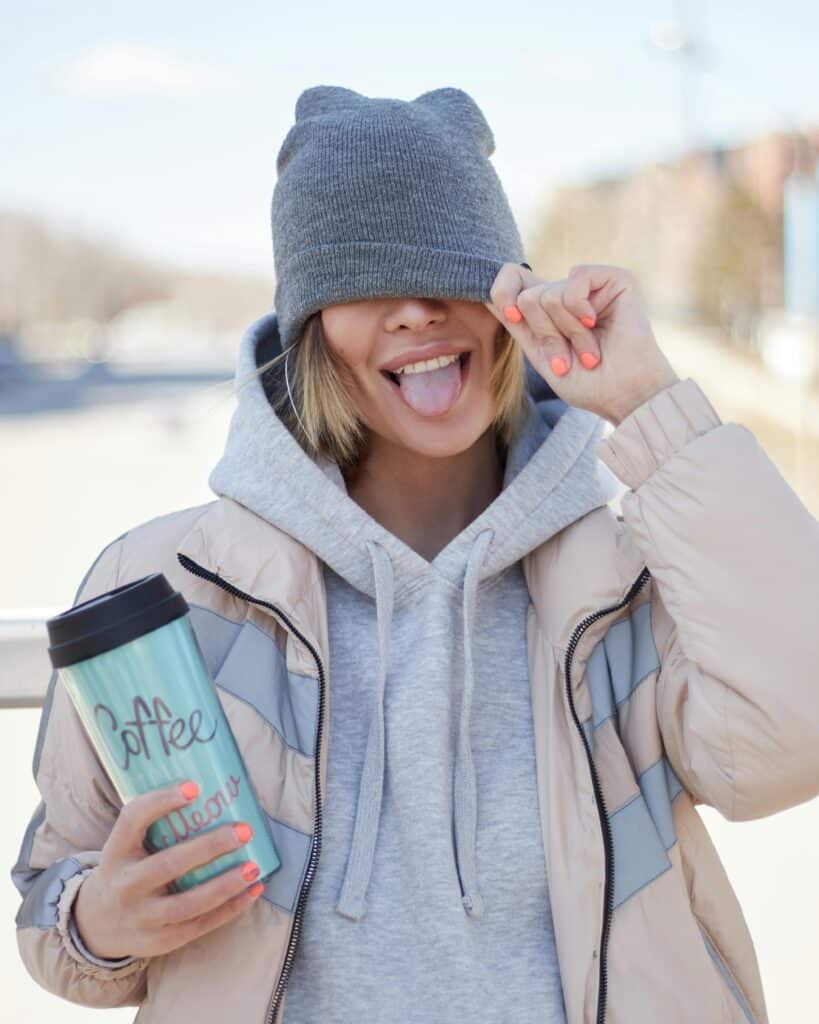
column 156, row 125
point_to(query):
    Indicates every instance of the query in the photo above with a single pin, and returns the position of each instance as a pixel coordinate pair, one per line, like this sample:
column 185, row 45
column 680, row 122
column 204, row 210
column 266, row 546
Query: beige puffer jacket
column 673, row 660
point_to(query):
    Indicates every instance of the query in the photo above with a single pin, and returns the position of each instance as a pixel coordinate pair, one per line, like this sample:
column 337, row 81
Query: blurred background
column 139, row 144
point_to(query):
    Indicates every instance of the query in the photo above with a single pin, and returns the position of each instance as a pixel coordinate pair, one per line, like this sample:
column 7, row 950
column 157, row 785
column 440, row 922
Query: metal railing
column 25, row 667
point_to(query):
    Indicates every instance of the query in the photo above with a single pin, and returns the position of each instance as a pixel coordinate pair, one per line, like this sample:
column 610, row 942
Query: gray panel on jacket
column 293, row 848
column 255, row 671
column 625, row 655
column 654, row 785
column 22, row 874
column 671, row 780
column 639, row 852
column 215, row 635
column 642, row 828
column 39, row 908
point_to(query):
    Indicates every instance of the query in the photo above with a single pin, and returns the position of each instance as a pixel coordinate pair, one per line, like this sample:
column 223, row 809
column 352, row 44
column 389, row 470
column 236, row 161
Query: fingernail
column 256, row 890
column 513, row 314
column 190, row 790
column 588, row 321
column 558, row 365
column 589, row 360
column 250, row 871
column 243, row 831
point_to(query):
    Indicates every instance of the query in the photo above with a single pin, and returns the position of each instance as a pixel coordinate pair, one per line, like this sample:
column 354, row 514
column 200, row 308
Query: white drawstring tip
column 473, row 904
column 351, row 907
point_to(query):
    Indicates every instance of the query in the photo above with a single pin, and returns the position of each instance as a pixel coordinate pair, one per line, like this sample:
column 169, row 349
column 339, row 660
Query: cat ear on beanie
column 314, row 102
column 458, row 110
column 327, row 99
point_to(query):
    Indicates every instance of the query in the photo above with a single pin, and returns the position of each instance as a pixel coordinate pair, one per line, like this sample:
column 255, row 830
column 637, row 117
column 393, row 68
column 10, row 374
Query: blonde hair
column 327, row 423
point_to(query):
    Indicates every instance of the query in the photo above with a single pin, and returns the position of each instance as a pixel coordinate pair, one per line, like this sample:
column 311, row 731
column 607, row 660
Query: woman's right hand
column 124, row 907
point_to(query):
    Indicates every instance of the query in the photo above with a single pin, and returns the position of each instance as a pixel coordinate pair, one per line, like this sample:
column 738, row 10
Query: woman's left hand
column 595, row 321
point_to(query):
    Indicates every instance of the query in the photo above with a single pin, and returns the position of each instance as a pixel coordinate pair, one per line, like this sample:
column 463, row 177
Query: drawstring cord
column 351, row 902
column 464, row 786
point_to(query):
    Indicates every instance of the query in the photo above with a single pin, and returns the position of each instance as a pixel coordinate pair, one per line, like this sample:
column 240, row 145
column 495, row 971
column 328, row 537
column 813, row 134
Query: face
column 437, row 413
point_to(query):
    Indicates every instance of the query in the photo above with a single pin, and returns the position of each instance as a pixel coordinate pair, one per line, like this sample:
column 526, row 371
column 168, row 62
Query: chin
column 441, row 438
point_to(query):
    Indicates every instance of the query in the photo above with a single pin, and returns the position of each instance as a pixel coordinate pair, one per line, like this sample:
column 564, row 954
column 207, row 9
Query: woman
column 479, row 708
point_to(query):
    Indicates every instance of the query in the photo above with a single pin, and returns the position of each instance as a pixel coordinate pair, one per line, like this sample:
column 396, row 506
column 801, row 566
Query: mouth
column 463, row 358
column 394, row 385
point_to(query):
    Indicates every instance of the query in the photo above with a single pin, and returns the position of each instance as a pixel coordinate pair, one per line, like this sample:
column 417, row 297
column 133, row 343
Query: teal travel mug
column 133, row 668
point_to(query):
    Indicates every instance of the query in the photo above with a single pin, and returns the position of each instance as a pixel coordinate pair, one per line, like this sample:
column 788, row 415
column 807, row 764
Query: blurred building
column 702, row 233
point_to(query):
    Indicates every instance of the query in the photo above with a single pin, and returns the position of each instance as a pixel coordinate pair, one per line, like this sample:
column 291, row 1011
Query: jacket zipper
column 315, row 849
column 634, row 589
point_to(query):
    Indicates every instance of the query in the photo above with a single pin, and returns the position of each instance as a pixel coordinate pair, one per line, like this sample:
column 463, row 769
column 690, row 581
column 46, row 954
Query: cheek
column 351, row 363
column 343, row 333
column 349, row 353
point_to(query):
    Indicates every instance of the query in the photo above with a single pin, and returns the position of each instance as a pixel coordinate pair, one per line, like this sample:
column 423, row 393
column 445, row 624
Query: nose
column 416, row 313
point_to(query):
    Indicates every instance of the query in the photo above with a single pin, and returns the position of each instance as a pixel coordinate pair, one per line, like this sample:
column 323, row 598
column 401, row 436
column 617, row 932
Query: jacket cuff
column 656, row 430
column 76, row 938
column 66, row 926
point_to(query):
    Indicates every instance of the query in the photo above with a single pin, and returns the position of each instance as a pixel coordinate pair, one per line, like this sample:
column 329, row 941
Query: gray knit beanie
column 380, row 197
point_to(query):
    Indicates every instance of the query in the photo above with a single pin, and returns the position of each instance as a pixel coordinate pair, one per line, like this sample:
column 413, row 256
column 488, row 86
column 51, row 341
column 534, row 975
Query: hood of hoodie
column 552, row 477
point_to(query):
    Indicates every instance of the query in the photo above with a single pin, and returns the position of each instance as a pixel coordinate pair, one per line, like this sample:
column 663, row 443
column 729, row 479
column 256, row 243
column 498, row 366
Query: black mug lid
column 114, row 618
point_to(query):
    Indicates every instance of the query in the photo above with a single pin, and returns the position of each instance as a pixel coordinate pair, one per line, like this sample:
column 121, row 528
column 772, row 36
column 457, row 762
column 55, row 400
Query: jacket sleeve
column 62, row 845
column 734, row 556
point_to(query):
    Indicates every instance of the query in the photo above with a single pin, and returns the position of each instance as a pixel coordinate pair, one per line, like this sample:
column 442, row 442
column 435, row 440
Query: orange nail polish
column 250, row 871
column 190, row 790
column 558, row 365
column 256, row 890
column 589, row 360
column 243, row 831
column 588, row 321
column 513, row 314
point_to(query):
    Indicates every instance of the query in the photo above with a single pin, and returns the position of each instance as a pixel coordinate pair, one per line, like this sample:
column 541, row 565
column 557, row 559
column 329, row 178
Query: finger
column 139, row 813
column 552, row 348
column 181, row 934
column 518, row 328
column 581, row 338
column 600, row 282
column 160, row 869
column 200, row 899
column 576, row 295
column 511, row 279
column 540, row 349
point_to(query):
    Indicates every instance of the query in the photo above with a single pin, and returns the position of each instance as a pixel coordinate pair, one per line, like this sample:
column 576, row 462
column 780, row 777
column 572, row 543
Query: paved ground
column 110, row 456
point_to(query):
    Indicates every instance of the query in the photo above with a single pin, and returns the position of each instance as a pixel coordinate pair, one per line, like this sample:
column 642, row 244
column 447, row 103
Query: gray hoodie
column 424, row 658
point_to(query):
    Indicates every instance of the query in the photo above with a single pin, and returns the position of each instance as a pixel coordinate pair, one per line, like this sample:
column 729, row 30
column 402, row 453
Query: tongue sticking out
column 433, row 392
